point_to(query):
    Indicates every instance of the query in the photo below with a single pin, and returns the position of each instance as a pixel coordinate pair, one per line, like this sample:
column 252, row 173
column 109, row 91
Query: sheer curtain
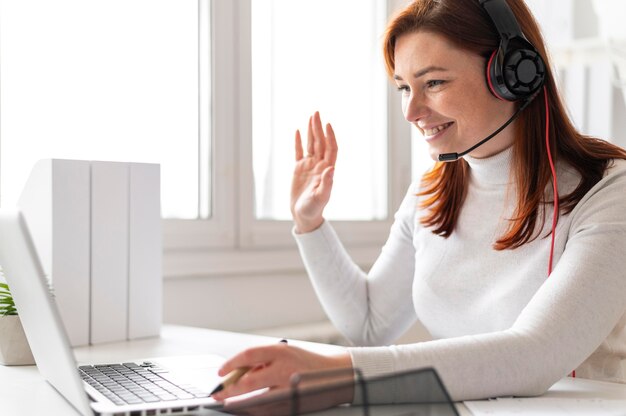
column 102, row 80
column 320, row 55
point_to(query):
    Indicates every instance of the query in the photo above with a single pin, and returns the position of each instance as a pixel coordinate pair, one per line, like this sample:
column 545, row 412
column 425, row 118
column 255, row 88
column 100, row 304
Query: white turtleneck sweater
column 501, row 326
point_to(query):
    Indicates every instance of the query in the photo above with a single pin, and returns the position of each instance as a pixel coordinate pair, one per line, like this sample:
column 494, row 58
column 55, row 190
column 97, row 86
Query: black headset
column 515, row 70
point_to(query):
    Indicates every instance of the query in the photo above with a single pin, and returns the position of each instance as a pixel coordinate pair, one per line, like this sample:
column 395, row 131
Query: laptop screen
column 37, row 310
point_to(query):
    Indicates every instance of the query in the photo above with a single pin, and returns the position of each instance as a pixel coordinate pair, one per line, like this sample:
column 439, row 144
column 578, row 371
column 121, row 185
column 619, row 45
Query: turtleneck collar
column 492, row 170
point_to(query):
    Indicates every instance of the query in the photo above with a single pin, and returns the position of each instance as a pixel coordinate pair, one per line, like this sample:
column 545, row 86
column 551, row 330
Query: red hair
column 467, row 25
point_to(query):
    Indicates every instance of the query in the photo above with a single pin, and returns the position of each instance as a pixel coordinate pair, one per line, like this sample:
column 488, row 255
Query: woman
column 514, row 300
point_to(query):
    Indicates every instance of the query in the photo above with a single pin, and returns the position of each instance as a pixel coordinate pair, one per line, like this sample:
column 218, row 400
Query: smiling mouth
column 435, row 130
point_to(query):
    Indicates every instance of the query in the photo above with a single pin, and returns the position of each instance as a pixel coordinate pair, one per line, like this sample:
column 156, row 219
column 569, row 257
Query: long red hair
column 467, row 25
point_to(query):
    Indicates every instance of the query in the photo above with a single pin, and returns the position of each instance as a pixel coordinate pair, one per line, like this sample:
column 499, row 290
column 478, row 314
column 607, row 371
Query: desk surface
column 24, row 392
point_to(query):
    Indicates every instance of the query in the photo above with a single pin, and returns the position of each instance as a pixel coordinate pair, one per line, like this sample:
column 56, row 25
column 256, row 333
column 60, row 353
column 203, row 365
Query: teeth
column 435, row 130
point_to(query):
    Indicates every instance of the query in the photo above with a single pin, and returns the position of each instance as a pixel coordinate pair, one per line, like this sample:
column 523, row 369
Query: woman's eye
column 404, row 89
column 434, row 83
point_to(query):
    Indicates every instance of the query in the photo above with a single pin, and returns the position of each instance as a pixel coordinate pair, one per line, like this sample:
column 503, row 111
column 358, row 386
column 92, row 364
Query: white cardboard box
column 109, row 251
column 55, row 203
column 97, row 229
column 145, row 248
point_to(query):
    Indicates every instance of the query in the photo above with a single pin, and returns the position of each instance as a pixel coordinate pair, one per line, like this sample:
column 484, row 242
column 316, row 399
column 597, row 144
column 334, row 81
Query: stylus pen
column 232, row 377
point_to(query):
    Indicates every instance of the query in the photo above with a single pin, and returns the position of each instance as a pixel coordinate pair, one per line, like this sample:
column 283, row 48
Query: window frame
column 231, row 239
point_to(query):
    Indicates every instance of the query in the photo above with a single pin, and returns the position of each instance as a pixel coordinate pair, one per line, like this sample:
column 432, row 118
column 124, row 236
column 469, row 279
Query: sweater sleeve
column 566, row 320
column 368, row 308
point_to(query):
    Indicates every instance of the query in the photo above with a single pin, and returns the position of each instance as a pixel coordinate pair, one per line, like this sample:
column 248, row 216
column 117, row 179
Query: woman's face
column 445, row 95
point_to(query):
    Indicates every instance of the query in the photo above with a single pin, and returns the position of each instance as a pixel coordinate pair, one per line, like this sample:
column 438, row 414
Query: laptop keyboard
column 131, row 383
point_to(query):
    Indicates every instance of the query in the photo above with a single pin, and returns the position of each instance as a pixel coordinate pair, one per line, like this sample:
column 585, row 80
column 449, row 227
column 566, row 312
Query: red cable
column 555, row 190
column 555, row 215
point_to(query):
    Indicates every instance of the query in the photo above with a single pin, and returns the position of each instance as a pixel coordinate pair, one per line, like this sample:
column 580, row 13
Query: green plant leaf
column 7, row 305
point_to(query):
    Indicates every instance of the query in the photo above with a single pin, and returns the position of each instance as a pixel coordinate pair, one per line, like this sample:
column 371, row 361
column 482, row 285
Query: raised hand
column 313, row 175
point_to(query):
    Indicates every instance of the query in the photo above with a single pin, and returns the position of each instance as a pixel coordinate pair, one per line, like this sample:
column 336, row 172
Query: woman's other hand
column 272, row 367
column 313, row 175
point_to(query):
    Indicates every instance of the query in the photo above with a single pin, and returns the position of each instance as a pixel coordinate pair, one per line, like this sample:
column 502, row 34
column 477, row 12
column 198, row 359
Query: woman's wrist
column 345, row 394
column 303, row 227
column 343, row 360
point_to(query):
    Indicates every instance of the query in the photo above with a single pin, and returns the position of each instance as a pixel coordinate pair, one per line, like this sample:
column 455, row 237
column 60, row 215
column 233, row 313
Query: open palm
column 313, row 175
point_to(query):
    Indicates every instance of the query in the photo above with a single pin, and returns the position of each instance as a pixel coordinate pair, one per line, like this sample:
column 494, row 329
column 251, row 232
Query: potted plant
column 14, row 348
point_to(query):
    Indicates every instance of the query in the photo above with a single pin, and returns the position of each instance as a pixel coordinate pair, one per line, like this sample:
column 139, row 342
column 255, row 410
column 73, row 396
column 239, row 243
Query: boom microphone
column 451, row 157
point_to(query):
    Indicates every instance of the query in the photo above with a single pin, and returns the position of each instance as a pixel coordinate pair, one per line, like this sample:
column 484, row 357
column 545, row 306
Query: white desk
column 24, row 385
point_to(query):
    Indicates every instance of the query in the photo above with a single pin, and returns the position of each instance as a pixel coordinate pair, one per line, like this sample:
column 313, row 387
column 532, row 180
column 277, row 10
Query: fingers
column 255, row 379
column 252, row 357
column 264, row 372
column 273, row 366
column 330, row 154
column 299, row 154
column 310, row 139
column 318, row 142
column 318, row 134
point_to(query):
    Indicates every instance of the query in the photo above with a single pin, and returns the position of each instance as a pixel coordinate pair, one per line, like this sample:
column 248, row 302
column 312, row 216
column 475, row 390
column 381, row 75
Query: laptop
column 142, row 388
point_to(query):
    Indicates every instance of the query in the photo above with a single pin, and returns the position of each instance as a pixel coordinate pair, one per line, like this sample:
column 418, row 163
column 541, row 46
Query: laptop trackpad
column 197, row 370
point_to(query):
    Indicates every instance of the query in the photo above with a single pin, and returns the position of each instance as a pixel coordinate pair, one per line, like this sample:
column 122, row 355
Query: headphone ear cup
column 491, row 75
column 516, row 74
column 523, row 72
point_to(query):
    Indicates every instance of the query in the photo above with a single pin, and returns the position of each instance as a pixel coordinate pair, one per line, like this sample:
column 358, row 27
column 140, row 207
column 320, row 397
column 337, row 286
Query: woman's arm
column 568, row 318
column 368, row 309
column 373, row 308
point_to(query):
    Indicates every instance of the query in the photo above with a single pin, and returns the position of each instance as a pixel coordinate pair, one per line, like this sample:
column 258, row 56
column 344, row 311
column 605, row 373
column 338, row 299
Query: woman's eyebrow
column 422, row 72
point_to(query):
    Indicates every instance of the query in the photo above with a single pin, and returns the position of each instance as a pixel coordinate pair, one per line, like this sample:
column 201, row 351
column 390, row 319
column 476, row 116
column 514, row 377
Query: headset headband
column 503, row 18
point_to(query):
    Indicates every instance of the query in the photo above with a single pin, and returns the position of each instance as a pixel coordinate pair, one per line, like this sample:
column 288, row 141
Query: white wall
column 265, row 294
column 585, row 72
column 242, row 302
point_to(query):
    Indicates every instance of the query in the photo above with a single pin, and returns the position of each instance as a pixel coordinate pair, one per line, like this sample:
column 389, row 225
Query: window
column 105, row 80
column 324, row 55
column 213, row 90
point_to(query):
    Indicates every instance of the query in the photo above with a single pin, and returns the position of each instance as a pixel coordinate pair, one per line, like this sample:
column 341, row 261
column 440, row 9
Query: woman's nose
column 414, row 108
